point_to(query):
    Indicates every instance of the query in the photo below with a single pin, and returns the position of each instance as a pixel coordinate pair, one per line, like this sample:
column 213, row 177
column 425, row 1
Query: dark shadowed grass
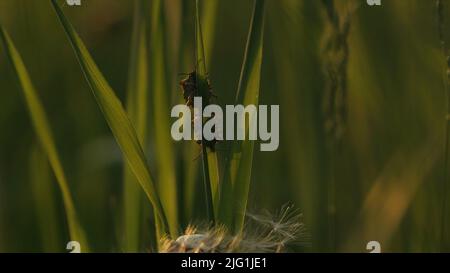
column 440, row 7
column 335, row 52
column 44, row 199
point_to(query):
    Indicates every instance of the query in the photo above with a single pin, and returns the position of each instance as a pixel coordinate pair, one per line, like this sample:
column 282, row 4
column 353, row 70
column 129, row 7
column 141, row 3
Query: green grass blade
column 44, row 200
column 210, row 163
column 213, row 170
column 137, row 105
column 42, row 128
column 116, row 118
column 237, row 176
column 164, row 151
column 188, row 183
column 188, row 188
column 209, row 17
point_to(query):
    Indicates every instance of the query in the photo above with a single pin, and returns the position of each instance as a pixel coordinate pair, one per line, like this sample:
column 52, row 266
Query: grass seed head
column 263, row 233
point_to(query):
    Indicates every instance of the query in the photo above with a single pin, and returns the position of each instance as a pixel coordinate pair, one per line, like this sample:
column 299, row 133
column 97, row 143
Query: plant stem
column 201, row 77
column 207, row 186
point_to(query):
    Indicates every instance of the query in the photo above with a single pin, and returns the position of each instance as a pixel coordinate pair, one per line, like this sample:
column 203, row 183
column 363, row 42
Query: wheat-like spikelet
column 335, row 52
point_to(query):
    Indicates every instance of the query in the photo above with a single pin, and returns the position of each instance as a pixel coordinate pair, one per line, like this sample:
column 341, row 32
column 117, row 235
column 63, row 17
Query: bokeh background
column 362, row 120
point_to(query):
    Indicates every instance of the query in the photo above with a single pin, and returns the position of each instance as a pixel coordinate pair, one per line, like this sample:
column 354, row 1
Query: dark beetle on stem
column 190, row 90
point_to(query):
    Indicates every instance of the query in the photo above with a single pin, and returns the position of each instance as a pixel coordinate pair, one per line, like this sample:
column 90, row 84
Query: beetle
column 189, row 85
column 190, row 90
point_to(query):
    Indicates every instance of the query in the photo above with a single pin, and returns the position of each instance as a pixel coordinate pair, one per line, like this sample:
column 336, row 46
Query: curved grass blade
column 137, row 105
column 210, row 163
column 116, row 118
column 236, row 184
column 164, row 152
column 45, row 136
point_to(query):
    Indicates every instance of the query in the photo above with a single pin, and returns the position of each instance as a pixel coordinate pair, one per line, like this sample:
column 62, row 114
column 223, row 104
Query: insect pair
column 190, row 87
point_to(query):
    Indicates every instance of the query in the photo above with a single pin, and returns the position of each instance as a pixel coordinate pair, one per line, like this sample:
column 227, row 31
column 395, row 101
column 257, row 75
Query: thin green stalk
column 207, row 186
column 161, row 117
column 209, row 17
column 237, row 177
column 45, row 136
column 189, row 168
column 137, row 109
column 117, row 119
column 210, row 163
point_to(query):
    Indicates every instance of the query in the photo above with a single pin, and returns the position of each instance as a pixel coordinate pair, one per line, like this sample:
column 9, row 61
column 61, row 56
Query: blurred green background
column 362, row 147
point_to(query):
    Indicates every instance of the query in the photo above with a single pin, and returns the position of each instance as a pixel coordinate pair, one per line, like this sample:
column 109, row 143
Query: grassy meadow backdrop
column 363, row 95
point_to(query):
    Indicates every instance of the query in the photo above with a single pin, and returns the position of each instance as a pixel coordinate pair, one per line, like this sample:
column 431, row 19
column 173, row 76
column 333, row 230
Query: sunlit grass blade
column 44, row 200
column 137, row 109
column 164, row 151
column 45, row 136
column 398, row 184
column 209, row 17
column 210, row 163
column 213, row 169
column 236, row 184
column 116, row 118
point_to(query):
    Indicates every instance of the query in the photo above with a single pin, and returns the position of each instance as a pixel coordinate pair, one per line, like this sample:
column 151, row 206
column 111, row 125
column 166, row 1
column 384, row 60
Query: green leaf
column 45, row 136
column 117, row 120
column 209, row 17
column 210, row 162
column 164, row 151
column 137, row 108
column 236, row 184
